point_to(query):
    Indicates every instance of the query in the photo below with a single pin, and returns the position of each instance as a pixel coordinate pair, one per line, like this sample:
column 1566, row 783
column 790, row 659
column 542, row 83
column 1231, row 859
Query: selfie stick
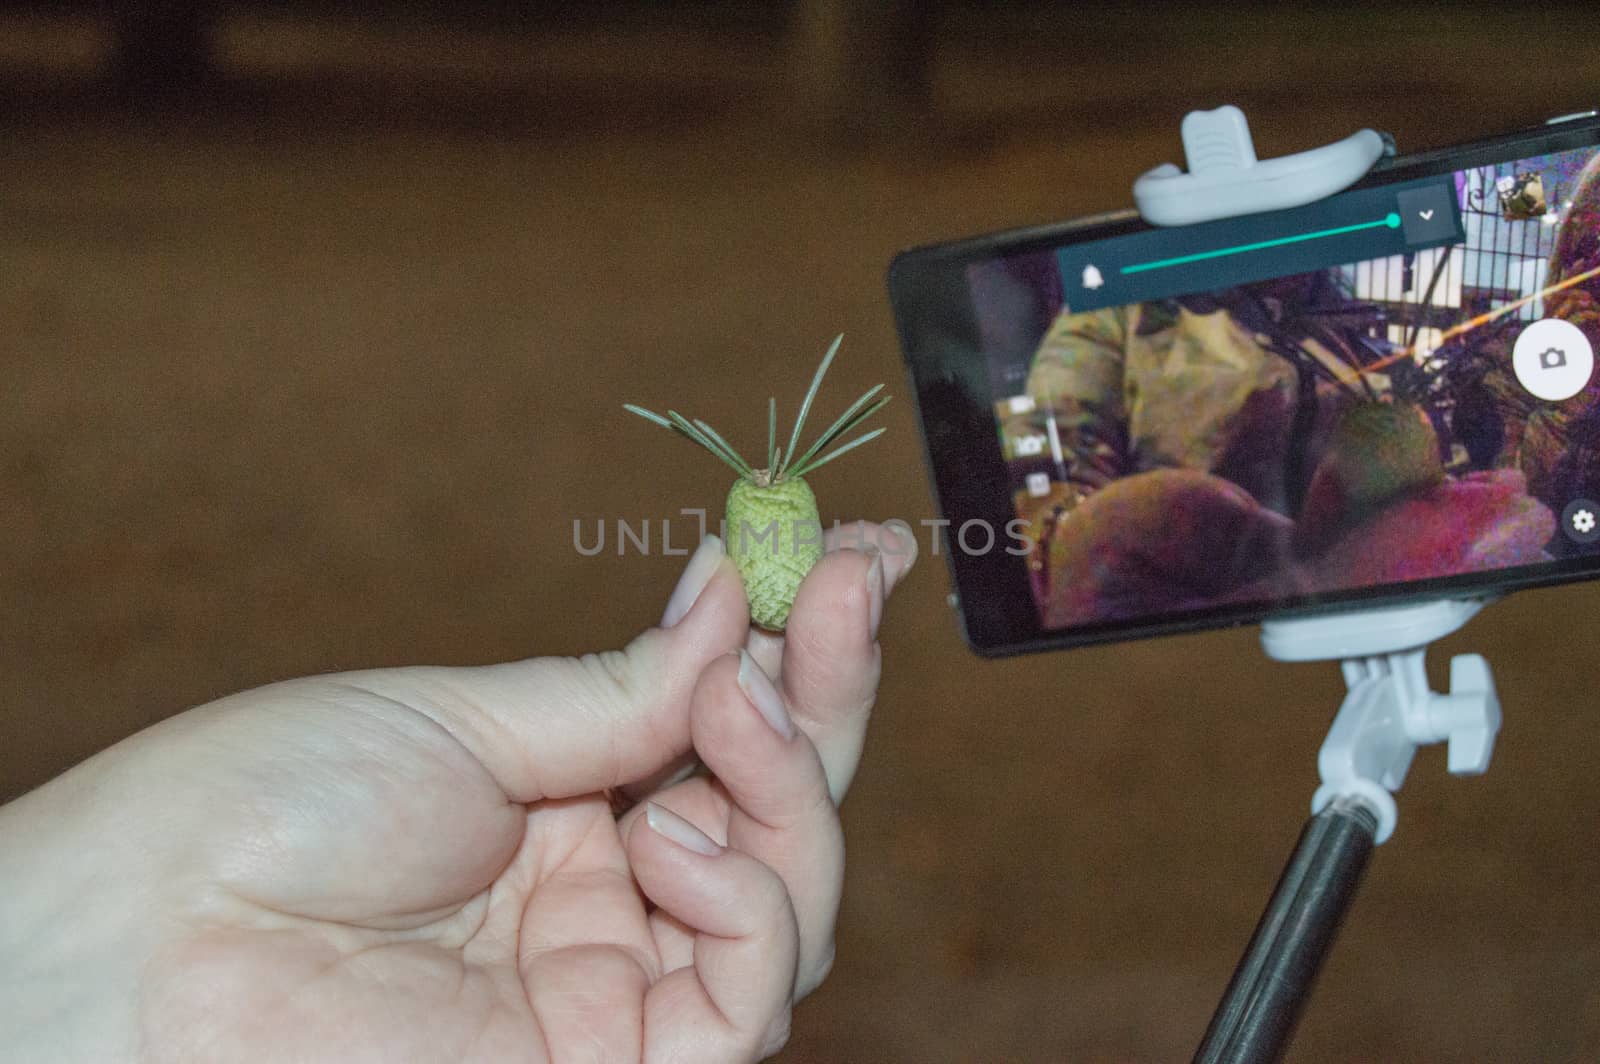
column 1389, row 710
column 1387, row 713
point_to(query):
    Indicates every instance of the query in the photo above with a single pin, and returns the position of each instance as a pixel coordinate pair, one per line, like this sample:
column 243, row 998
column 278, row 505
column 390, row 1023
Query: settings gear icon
column 1581, row 521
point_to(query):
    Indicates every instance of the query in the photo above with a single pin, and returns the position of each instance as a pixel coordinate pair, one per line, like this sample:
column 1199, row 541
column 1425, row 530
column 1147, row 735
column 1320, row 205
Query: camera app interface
column 1393, row 385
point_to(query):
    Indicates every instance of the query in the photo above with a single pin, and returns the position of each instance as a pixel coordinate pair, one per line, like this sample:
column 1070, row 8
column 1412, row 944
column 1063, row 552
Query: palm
column 421, row 916
column 416, row 918
column 386, row 896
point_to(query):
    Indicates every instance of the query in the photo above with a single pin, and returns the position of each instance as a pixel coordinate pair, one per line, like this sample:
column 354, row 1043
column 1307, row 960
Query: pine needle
column 726, row 446
column 772, row 435
column 733, row 461
column 648, row 416
column 830, row 456
column 779, row 459
column 847, row 421
column 811, row 394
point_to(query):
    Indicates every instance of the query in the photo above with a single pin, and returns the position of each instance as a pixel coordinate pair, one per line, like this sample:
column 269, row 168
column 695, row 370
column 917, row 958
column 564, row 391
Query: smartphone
column 1384, row 396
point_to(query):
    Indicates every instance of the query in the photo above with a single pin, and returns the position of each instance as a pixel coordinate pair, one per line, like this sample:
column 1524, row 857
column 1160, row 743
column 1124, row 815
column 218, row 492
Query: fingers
column 894, row 541
column 557, row 727
column 781, row 812
column 584, row 947
column 831, row 660
column 732, row 1004
column 835, row 712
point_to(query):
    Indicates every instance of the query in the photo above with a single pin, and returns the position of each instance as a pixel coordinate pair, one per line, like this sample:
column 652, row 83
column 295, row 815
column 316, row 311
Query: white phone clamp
column 1225, row 179
column 1389, row 710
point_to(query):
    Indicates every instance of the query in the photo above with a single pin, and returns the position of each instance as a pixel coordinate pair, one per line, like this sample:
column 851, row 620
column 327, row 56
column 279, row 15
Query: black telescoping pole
column 1257, row 1017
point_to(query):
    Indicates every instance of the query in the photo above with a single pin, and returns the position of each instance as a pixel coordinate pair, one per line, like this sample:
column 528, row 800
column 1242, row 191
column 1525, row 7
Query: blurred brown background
column 315, row 327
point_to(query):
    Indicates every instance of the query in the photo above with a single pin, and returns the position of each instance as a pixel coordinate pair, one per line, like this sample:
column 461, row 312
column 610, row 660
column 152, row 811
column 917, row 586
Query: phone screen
column 1387, row 393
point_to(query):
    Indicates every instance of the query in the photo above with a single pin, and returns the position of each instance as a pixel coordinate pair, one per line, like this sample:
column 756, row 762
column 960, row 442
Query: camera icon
column 1552, row 359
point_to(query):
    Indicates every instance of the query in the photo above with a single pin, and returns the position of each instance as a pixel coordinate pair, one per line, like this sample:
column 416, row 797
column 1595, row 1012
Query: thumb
column 555, row 727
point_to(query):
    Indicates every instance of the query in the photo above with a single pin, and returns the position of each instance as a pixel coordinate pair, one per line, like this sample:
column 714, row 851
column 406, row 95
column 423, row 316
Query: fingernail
column 693, row 581
column 909, row 547
column 874, row 592
column 757, row 687
column 674, row 828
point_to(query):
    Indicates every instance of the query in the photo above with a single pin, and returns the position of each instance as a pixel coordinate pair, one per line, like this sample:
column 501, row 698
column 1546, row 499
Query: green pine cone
column 775, row 537
column 771, row 526
column 1383, row 450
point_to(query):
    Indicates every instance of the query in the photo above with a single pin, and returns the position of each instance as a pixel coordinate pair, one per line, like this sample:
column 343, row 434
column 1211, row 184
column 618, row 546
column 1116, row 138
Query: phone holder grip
column 1389, row 710
column 1225, row 179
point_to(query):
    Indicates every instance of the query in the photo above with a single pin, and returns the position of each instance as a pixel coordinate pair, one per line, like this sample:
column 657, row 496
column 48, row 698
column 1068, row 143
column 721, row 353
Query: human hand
column 423, row 864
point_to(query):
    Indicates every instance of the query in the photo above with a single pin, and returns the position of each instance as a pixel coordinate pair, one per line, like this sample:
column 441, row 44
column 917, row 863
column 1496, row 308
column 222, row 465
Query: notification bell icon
column 1091, row 277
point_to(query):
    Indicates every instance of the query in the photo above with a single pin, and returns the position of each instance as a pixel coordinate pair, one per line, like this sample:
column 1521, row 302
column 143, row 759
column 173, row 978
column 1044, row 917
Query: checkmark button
column 1428, row 214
